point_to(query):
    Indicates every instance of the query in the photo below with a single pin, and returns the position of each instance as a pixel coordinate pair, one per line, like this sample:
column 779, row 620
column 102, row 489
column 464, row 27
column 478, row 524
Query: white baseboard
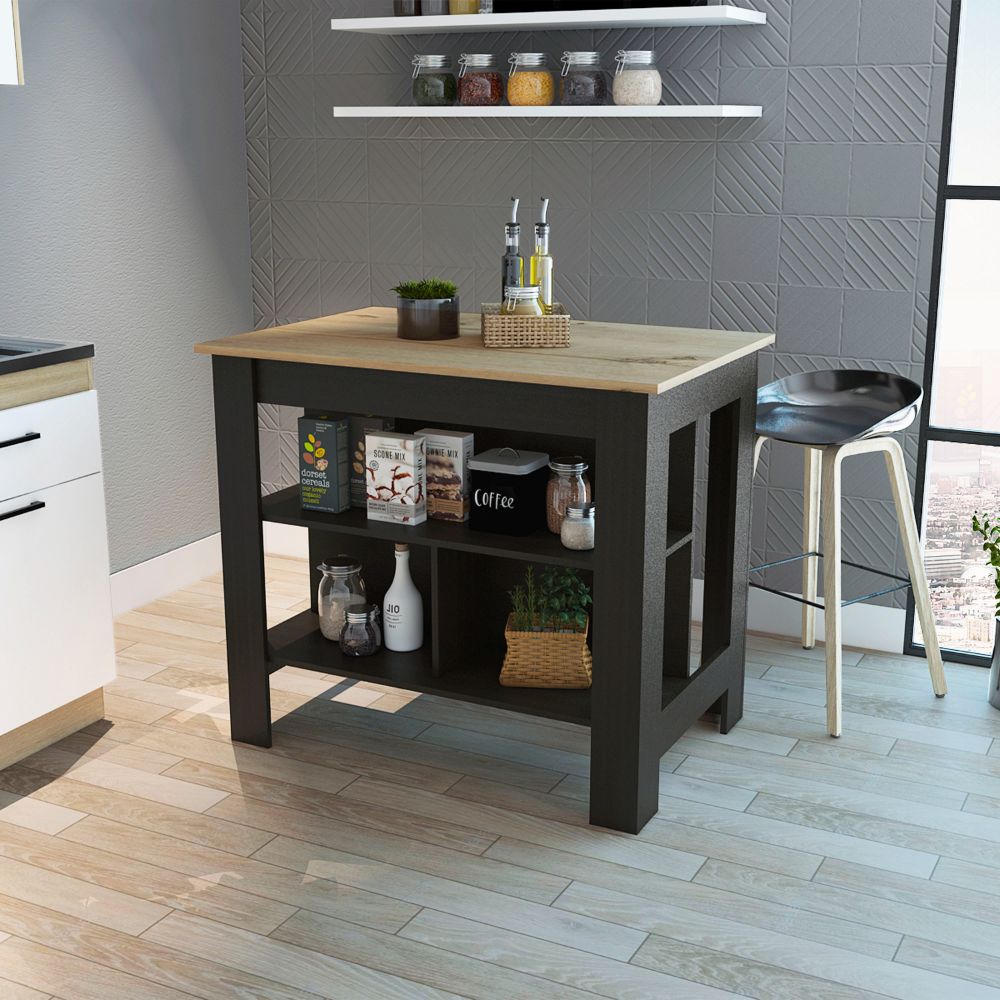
column 150, row 580
column 286, row 540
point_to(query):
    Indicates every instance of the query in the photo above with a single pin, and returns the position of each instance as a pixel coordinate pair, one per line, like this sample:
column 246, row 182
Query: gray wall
column 814, row 222
column 123, row 221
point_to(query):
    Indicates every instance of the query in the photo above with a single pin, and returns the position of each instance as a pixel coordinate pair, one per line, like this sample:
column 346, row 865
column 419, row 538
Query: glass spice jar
column 406, row 8
column 463, row 6
column 637, row 80
column 530, row 82
column 360, row 635
column 479, row 80
column 568, row 486
column 340, row 588
column 522, row 301
column 577, row 530
column 582, row 81
column 433, row 8
column 433, row 82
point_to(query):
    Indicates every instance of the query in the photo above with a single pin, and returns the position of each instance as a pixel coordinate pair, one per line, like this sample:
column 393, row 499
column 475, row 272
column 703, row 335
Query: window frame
column 931, row 433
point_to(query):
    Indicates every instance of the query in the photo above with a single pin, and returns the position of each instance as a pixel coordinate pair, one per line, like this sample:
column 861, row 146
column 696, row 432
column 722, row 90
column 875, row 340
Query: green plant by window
column 428, row 288
column 989, row 530
column 558, row 602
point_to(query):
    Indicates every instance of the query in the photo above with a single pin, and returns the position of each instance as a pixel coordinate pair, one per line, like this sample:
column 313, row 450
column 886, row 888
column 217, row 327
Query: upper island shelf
column 636, row 17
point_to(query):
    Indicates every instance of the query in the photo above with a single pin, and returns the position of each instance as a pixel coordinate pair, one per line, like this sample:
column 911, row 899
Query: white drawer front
column 56, row 639
column 51, row 442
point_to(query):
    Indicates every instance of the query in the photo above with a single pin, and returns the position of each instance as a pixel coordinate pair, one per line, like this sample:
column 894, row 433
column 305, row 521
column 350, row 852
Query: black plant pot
column 427, row 319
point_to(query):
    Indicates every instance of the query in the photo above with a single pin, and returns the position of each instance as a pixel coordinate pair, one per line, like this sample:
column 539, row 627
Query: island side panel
column 629, row 586
column 242, row 549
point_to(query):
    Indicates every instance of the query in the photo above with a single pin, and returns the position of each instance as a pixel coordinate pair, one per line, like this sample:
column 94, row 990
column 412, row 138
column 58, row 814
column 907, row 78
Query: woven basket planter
column 546, row 659
column 510, row 330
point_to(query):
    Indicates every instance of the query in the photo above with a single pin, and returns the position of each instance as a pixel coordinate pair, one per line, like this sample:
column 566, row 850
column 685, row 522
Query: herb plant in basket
column 427, row 310
column 546, row 631
column 988, row 528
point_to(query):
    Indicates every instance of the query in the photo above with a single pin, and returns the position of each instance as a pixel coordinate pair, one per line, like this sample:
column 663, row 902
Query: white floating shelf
column 557, row 111
column 637, row 17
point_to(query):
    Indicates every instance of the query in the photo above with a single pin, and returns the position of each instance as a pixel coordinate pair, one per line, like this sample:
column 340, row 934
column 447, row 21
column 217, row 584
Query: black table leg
column 628, row 614
column 242, row 550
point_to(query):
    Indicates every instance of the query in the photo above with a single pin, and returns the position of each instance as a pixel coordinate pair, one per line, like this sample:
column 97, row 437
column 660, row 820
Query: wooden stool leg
column 896, row 467
column 831, row 586
column 813, row 461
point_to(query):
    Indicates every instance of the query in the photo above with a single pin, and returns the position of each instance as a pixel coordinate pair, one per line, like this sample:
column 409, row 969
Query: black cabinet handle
column 35, row 505
column 21, row 440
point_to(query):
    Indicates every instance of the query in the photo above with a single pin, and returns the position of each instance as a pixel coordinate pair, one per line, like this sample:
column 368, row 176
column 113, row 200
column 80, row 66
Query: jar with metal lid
column 360, row 635
column 582, row 81
column 479, row 80
column 340, row 588
column 637, row 80
column 433, row 8
column 530, row 82
column 434, row 83
column 463, row 6
column 568, row 486
column 522, row 301
column 406, row 8
column 577, row 530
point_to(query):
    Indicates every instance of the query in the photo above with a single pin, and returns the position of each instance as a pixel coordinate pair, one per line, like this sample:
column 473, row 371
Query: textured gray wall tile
column 395, row 234
column 748, row 177
column 891, row 104
column 680, row 246
column 887, row 180
column 561, row 172
column 925, row 255
column 296, row 290
column 448, row 233
column 928, row 194
column 325, row 125
column 812, row 251
column 744, row 306
column 621, row 300
column 252, row 39
column 679, row 303
column 825, row 33
column 294, row 229
column 394, row 175
column 769, row 88
column 896, row 31
column 343, row 231
column 342, row 170
column 288, row 40
column 255, row 103
column 766, row 46
column 809, row 319
column 816, row 178
column 935, row 114
column 942, row 21
column 683, row 176
column 745, row 248
column 293, row 169
column 289, row 107
column 821, row 103
column 619, row 244
column 343, row 286
column 881, row 253
column 621, row 175
column 878, row 324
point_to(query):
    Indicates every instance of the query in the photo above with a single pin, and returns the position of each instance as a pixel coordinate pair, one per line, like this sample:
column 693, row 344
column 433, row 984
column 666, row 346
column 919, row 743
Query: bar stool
column 833, row 415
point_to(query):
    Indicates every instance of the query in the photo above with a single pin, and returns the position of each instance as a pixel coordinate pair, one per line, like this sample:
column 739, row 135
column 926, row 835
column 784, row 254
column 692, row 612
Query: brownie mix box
column 359, row 427
column 396, row 477
column 448, row 457
column 324, row 466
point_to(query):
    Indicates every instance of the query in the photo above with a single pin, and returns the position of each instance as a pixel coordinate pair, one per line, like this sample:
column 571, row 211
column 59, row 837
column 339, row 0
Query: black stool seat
column 835, row 407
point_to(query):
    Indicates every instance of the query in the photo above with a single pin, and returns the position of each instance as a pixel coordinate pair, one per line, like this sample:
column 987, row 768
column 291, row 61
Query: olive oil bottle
column 512, row 265
column 541, row 261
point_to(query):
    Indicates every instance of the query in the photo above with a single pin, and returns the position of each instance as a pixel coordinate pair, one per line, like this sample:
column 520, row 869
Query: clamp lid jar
column 434, row 82
column 530, row 82
column 521, row 301
column 582, row 81
column 568, row 486
column 637, row 80
column 479, row 81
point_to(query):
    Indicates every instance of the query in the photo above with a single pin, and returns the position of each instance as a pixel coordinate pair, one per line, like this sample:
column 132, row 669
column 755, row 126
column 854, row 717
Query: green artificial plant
column 558, row 602
column 427, row 288
column 989, row 530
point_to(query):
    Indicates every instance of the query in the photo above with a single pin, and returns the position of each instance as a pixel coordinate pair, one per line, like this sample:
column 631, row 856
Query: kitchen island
column 646, row 406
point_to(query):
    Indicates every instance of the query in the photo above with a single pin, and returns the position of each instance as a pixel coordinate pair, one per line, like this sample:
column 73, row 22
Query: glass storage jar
column 340, row 588
column 360, row 635
column 463, row 6
column 433, row 82
column 637, row 80
column 479, row 80
column 433, row 7
column 522, row 301
column 583, row 81
column 405, row 8
column 530, row 82
column 577, row 530
column 568, row 486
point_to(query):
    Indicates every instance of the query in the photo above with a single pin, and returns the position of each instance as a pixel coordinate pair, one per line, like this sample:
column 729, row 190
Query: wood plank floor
column 395, row 846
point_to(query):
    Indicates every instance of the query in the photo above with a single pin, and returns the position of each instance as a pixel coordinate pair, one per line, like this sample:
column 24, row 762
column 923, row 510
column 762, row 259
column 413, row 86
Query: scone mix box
column 448, row 457
column 324, row 464
column 397, row 479
column 360, row 426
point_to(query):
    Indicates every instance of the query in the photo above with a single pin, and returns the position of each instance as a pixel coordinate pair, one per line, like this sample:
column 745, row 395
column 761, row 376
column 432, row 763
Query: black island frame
column 644, row 695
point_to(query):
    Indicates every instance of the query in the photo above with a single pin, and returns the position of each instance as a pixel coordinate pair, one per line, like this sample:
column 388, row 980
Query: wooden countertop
column 618, row 357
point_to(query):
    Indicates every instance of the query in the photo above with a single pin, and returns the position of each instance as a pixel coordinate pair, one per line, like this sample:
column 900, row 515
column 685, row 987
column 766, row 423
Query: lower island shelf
column 298, row 642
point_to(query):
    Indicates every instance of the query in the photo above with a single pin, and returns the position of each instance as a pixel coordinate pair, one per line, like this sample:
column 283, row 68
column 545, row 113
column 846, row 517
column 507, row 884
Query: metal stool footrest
column 903, row 582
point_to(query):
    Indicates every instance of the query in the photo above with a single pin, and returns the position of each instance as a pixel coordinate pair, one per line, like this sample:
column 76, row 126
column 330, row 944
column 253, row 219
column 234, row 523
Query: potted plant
column 426, row 310
column 546, row 631
column 989, row 530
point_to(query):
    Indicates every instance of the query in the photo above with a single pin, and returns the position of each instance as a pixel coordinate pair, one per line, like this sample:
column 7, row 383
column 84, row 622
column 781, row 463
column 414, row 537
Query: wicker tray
column 506, row 330
column 546, row 659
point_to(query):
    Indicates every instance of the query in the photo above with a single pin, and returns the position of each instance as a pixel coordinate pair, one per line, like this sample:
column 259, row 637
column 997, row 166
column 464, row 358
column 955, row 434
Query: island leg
column 242, row 550
column 629, row 581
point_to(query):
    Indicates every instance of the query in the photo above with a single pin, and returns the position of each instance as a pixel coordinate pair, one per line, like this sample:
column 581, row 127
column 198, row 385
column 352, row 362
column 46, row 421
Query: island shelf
column 641, row 403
